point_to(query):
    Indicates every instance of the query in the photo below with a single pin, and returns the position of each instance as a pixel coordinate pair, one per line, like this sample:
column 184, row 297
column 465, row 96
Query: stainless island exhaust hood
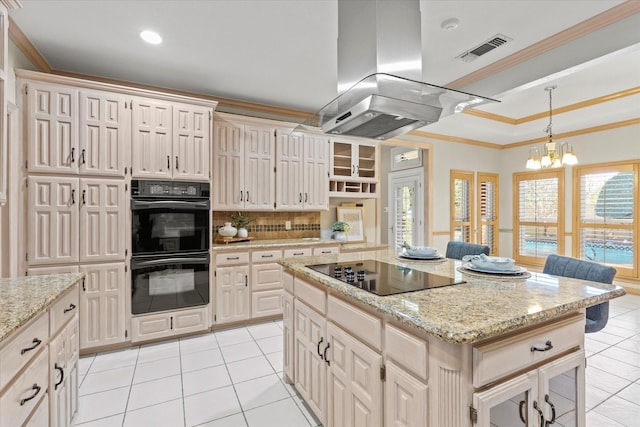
column 381, row 94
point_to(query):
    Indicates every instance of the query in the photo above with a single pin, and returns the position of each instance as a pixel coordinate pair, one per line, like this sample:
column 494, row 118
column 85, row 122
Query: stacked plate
column 420, row 253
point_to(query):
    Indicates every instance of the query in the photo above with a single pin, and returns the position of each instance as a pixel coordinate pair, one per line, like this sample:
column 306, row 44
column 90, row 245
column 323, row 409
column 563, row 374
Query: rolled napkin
column 490, row 262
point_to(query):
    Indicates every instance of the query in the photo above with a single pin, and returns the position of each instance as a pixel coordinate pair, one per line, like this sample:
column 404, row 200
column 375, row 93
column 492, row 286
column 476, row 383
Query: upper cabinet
column 302, row 166
column 243, row 157
column 353, row 169
column 170, row 141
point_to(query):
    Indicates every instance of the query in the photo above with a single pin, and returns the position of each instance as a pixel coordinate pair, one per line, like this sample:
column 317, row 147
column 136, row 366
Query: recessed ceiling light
column 450, row 24
column 151, row 37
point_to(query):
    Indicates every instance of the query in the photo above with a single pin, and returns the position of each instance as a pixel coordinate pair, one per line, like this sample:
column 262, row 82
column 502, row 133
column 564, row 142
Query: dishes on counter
column 490, row 263
column 434, row 256
column 513, row 271
column 419, row 251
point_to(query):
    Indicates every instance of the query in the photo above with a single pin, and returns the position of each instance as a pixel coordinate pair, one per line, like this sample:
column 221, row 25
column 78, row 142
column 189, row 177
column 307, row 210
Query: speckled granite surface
column 276, row 243
column 23, row 298
column 466, row 313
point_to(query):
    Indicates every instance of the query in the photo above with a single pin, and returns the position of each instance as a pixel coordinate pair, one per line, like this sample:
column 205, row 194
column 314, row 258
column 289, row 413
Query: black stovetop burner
column 381, row 278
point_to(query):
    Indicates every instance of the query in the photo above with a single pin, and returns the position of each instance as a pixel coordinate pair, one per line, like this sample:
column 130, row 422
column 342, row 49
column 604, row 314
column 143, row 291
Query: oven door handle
column 135, row 264
column 143, row 204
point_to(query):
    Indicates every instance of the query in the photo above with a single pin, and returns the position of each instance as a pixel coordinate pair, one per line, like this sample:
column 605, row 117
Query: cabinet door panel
column 151, row 146
column 102, row 134
column 53, row 212
column 228, row 155
column 509, row 403
column 102, row 305
column 287, row 329
column 191, row 140
column 102, row 220
column 52, row 128
column 57, row 383
column 561, row 384
column 259, row 182
column 405, row 398
column 289, row 171
column 316, row 168
column 232, row 294
column 266, row 276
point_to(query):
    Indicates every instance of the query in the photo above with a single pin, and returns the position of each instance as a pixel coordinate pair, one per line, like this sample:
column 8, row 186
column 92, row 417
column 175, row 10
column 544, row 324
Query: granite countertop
column 481, row 308
column 23, row 298
column 265, row 244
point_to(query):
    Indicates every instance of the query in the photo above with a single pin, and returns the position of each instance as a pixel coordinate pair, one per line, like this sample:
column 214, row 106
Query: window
column 462, row 213
column 488, row 210
column 539, row 215
column 606, row 227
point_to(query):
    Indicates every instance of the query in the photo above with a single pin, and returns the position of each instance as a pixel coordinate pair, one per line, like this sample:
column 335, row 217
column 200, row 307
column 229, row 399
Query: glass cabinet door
column 511, row 404
column 561, row 385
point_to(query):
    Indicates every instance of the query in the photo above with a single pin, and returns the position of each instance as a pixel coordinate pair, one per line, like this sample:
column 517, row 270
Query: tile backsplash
column 272, row 225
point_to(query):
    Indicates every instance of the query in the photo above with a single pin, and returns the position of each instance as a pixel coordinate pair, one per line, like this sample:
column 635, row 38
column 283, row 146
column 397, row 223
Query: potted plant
column 340, row 229
column 240, row 221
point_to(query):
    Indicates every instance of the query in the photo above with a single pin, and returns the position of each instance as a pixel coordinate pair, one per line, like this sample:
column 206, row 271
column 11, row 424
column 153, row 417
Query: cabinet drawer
column 407, row 350
column 15, row 403
column 266, row 256
column 291, row 253
column 325, row 251
column 266, row 303
column 17, row 353
column 150, row 327
column 232, row 258
column 313, row 296
column 63, row 310
column 496, row 359
column 192, row 320
column 40, row 417
column 362, row 325
column 266, row 276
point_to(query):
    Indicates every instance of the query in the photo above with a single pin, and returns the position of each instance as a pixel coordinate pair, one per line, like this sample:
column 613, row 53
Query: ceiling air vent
column 487, row 46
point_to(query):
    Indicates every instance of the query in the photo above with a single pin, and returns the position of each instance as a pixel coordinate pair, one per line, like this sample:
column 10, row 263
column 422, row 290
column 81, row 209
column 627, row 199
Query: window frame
column 464, row 176
column 558, row 173
column 495, row 223
column 578, row 224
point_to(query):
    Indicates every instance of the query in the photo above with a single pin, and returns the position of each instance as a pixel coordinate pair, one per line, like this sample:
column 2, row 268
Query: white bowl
column 493, row 263
column 421, row 251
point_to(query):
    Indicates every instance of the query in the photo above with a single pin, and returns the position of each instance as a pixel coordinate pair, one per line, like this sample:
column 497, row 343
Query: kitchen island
column 491, row 350
column 39, row 349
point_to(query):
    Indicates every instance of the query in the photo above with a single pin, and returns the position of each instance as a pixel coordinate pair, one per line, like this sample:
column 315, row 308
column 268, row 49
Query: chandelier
column 554, row 154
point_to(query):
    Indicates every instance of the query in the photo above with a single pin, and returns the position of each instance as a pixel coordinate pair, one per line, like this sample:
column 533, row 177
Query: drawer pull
column 325, row 357
column 59, row 368
column 71, row 308
column 553, row 410
column 231, row 258
column 522, row 403
column 548, row 345
column 298, row 253
column 326, row 252
column 35, row 387
column 537, row 408
column 318, row 349
column 267, row 256
column 36, row 342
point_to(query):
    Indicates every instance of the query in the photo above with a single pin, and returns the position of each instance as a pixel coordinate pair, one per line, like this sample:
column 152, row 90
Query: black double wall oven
column 170, row 245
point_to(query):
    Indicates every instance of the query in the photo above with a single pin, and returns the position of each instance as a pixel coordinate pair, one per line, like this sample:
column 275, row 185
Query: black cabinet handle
column 540, row 414
column 171, row 326
column 73, row 154
column 306, row 197
column 318, row 348
column 353, row 169
column 84, row 197
column 36, row 342
column 247, row 196
column 553, row 410
column 83, row 156
column 241, row 196
column 59, row 368
column 300, row 197
column 520, row 406
column 325, row 357
column 73, row 197
column 35, row 387
column 230, row 258
column 267, row 256
column 246, row 280
column 176, row 162
column 548, row 347
column 71, row 308
column 168, row 162
column 298, row 253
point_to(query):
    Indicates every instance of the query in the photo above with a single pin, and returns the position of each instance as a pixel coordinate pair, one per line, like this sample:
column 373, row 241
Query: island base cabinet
column 551, row 394
column 405, row 398
column 287, row 332
column 63, row 382
column 310, row 370
column 354, row 385
column 40, row 417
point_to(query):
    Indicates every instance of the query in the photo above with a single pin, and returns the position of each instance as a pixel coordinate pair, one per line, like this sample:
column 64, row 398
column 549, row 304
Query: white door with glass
column 406, row 207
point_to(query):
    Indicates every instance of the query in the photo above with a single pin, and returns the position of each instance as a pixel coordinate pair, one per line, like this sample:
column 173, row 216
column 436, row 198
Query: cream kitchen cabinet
column 72, row 130
column 63, row 375
column 538, row 398
column 288, row 332
column 102, row 304
column 266, row 283
column 170, row 140
column 168, row 324
column 232, row 294
column 68, row 225
column 244, row 163
column 302, row 171
column 353, row 171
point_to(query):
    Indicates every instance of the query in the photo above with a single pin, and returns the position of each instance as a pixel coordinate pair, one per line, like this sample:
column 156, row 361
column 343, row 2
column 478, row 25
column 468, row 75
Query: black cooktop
column 381, row 278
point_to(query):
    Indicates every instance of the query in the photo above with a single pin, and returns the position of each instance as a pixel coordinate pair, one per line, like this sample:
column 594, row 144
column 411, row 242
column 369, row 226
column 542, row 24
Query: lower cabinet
column 552, row 393
column 266, row 288
column 102, row 305
column 232, row 294
column 63, row 377
column 405, row 397
column 40, row 417
column 287, row 332
column 167, row 324
column 354, row 384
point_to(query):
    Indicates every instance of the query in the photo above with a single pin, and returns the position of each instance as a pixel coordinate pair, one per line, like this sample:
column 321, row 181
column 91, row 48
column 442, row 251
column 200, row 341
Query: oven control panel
column 173, row 189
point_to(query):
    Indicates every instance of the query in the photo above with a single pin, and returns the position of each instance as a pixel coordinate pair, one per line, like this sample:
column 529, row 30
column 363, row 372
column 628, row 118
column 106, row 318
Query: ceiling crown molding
column 30, row 51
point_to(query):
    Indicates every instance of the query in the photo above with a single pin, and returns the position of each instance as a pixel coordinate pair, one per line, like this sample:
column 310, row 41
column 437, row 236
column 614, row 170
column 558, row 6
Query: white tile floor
column 232, row 378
